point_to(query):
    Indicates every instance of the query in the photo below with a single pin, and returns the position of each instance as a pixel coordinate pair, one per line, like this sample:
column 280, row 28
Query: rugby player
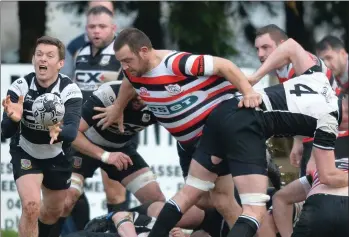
column 78, row 42
column 95, row 64
column 268, row 38
column 332, row 51
column 305, row 105
column 40, row 159
column 325, row 212
column 181, row 89
column 112, row 151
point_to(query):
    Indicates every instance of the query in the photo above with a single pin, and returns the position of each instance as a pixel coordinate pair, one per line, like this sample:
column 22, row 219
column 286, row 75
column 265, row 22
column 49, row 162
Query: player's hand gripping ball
column 48, row 109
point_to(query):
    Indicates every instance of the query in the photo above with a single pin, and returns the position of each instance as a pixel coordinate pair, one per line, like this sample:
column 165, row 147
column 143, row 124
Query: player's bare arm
column 114, row 113
column 328, row 173
column 83, row 145
column 287, row 52
column 297, row 151
column 227, row 69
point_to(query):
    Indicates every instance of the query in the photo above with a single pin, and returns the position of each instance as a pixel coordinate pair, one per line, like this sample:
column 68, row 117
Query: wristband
column 105, row 157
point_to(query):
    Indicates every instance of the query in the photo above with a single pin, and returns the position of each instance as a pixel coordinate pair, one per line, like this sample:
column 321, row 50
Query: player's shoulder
column 21, row 85
column 114, row 85
column 65, row 81
column 109, row 49
column 107, row 92
column 166, row 54
column 84, row 50
column 26, row 80
column 68, row 88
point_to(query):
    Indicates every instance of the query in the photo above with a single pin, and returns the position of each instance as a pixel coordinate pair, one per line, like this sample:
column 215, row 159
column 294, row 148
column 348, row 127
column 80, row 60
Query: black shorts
column 235, row 135
column 186, row 153
column 322, row 216
column 86, row 166
column 57, row 171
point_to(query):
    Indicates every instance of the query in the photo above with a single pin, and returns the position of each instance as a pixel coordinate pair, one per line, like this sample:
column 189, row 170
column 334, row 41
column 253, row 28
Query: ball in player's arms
column 48, row 109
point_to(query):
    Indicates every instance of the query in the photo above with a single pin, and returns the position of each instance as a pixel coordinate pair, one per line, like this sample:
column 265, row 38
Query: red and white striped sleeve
column 187, row 64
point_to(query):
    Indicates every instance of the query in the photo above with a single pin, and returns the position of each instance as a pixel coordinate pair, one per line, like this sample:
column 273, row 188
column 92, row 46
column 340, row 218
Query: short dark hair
column 99, row 10
column 275, row 32
column 52, row 41
column 134, row 38
column 329, row 42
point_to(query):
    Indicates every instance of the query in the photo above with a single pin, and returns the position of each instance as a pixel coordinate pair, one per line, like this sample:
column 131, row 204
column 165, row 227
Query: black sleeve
column 71, row 120
column 326, row 132
column 88, row 112
column 9, row 127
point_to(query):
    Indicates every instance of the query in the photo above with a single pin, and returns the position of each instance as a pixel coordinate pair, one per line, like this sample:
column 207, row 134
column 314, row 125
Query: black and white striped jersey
column 305, row 105
column 33, row 137
column 135, row 120
column 92, row 71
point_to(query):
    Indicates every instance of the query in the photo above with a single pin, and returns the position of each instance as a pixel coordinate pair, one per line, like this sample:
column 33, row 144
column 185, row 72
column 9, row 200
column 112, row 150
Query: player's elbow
column 292, row 46
column 6, row 130
column 5, row 134
column 69, row 133
column 72, row 136
column 221, row 66
column 325, row 178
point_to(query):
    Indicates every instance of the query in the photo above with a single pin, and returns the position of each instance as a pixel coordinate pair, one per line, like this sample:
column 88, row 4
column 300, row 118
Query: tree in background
column 335, row 14
column 201, row 27
column 295, row 26
column 32, row 19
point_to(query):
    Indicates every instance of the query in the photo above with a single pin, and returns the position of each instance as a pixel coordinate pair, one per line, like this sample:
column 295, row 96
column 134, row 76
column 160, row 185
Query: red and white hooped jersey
column 181, row 92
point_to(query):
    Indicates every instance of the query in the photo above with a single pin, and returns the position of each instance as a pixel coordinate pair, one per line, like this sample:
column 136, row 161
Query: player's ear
column 60, row 64
column 33, row 60
column 343, row 53
column 114, row 28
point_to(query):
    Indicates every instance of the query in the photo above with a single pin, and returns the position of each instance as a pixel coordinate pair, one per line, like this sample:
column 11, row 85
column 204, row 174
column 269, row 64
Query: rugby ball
column 48, row 109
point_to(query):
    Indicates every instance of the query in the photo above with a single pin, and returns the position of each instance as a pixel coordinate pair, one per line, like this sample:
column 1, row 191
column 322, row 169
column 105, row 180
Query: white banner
column 162, row 158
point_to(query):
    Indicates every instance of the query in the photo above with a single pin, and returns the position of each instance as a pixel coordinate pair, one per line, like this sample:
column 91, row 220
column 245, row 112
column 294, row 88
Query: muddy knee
column 31, row 209
column 70, row 201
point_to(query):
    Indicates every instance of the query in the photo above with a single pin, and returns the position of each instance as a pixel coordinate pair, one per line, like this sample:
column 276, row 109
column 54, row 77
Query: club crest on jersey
column 173, row 89
column 26, row 164
column 143, row 91
column 77, row 162
column 105, row 60
column 146, row 118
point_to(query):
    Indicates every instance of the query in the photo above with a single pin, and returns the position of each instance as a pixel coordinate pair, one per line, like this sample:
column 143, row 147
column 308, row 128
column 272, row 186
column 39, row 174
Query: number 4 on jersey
column 300, row 89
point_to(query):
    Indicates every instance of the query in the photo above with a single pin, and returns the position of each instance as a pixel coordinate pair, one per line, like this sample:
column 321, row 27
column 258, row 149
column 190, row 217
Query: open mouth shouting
column 42, row 69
